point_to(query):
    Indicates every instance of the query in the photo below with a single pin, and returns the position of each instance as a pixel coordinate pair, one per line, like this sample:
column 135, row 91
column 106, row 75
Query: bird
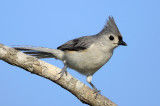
column 86, row 54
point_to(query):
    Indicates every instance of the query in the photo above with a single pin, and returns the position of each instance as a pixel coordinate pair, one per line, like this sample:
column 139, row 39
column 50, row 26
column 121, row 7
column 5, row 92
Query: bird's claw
column 64, row 70
column 97, row 92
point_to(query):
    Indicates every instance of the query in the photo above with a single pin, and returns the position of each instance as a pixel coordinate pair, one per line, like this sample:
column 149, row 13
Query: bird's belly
column 86, row 62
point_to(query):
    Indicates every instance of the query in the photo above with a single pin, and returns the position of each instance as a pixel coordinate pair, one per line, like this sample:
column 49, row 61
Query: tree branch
column 43, row 69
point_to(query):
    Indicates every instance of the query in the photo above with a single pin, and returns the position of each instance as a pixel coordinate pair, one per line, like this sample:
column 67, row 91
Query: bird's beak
column 122, row 43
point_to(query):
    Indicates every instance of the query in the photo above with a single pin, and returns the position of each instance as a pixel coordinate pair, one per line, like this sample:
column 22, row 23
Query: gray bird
column 86, row 54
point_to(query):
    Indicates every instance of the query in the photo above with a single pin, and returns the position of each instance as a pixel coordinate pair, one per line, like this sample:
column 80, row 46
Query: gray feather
column 84, row 42
column 77, row 44
column 41, row 52
column 110, row 27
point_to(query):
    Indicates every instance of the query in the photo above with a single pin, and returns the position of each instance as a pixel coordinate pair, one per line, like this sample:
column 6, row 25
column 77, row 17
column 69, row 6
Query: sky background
column 130, row 78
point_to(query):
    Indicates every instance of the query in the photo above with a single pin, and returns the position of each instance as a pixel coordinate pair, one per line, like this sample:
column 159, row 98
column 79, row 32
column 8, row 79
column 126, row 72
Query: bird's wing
column 77, row 44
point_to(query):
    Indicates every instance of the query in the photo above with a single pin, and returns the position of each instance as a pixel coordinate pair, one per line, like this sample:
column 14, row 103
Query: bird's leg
column 89, row 79
column 95, row 90
column 64, row 70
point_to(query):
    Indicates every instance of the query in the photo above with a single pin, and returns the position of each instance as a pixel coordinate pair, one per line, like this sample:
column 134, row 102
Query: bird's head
column 111, row 34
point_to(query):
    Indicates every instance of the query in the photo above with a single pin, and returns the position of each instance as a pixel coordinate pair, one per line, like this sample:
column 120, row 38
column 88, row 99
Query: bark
column 31, row 64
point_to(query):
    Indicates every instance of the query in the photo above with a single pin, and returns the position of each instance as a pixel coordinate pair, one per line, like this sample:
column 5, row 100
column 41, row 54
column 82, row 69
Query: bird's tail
column 41, row 52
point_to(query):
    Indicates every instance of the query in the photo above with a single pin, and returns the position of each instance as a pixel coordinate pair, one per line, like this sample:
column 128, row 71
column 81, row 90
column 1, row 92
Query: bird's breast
column 87, row 61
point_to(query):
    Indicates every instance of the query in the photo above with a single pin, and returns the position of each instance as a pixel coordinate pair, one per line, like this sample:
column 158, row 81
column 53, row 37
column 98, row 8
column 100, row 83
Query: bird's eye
column 111, row 37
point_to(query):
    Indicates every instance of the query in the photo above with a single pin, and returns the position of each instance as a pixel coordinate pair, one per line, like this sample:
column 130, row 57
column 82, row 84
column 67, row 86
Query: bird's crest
column 110, row 27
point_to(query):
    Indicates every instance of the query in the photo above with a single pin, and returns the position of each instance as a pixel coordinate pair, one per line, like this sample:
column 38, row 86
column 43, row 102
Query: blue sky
column 130, row 78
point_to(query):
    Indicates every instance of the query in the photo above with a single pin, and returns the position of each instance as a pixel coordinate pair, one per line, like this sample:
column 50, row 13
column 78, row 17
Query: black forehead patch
column 120, row 38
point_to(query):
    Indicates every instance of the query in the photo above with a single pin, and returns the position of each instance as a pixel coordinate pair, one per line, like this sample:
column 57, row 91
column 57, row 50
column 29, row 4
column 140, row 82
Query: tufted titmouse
column 86, row 54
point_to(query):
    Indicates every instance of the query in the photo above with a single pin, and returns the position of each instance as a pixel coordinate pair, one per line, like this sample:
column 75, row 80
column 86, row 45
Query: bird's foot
column 63, row 71
column 97, row 92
